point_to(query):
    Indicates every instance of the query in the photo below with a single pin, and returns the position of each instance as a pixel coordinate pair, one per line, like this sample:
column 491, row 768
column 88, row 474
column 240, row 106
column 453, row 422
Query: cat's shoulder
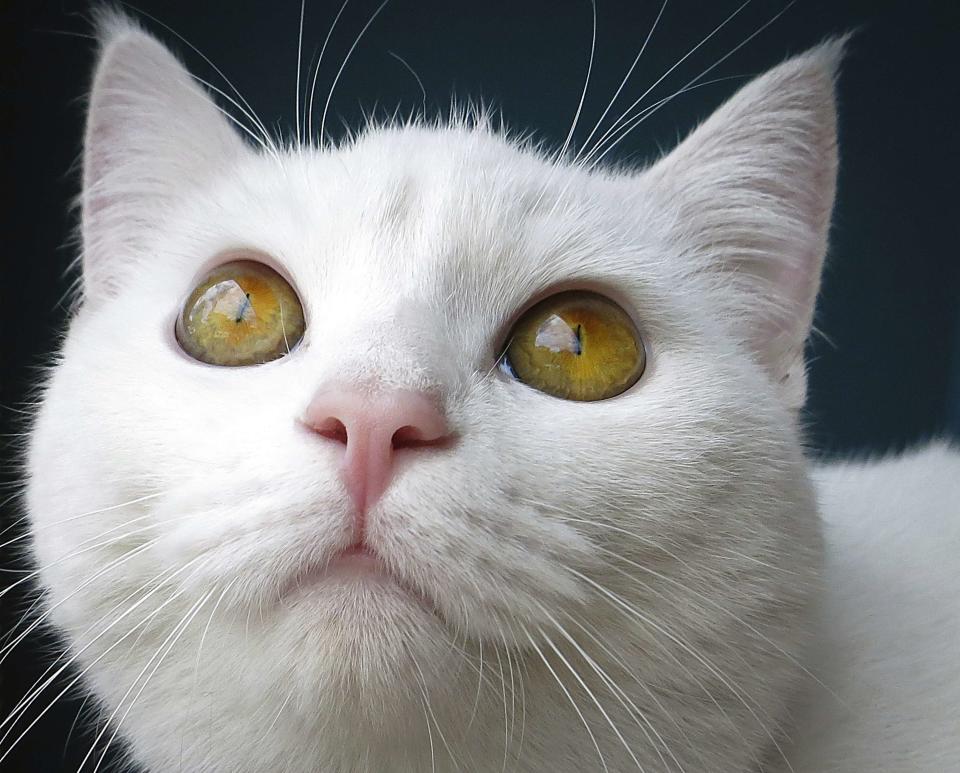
column 923, row 481
column 897, row 511
column 887, row 656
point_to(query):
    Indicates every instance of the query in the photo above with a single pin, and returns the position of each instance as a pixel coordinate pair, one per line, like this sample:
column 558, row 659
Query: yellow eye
column 241, row 313
column 577, row 346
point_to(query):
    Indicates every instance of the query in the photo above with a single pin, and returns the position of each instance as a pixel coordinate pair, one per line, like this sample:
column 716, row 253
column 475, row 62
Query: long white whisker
column 336, row 80
column 586, row 85
column 257, row 138
column 712, row 668
column 623, row 83
column 9, row 647
column 413, row 72
column 316, row 71
column 426, row 718
column 633, row 123
column 206, row 628
column 66, row 653
column 719, row 607
column 506, row 718
column 570, row 698
column 26, row 702
column 86, row 548
column 433, row 717
column 129, row 502
column 618, row 660
column 249, row 110
column 32, row 693
column 303, row 5
column 588, row 691
column 476, row 700
column 660, row 80
column 175, row 635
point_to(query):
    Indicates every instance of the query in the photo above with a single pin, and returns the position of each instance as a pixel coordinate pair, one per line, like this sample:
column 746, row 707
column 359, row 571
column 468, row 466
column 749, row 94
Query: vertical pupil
column 242, row 309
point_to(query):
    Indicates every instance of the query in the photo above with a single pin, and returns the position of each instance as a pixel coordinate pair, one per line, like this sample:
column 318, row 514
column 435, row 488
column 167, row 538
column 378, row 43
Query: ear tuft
column 110, row 22
column 753, row 188
column 151, row 134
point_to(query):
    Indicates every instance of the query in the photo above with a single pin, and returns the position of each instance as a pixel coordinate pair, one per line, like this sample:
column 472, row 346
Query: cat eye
column 576, row 345
column 241, row 313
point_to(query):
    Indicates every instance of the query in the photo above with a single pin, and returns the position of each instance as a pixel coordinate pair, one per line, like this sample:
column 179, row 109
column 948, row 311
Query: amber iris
column 241, row 313
column 577, row 346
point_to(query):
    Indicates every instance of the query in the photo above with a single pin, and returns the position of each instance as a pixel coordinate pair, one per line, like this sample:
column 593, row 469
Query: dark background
column 886, row 366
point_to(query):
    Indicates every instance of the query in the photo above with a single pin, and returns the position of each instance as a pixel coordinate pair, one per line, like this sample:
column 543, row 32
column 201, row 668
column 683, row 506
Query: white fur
column 623, row 584
column 889, row 619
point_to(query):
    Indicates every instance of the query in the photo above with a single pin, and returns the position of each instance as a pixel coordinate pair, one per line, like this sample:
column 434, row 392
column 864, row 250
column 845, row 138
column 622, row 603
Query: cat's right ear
column 152, row 132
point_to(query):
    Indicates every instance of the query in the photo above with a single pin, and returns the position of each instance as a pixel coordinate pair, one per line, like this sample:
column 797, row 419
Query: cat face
column 191, row 519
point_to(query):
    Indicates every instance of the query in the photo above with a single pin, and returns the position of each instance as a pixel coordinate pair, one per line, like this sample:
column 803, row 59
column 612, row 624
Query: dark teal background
column 885, row 364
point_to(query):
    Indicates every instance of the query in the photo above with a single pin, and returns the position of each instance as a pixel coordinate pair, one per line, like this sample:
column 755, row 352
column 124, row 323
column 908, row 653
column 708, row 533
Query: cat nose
column 374, row 428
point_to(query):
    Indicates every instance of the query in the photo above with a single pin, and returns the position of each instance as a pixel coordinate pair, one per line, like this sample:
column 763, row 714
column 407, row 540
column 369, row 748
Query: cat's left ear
column 152, row 133
column 752, row 190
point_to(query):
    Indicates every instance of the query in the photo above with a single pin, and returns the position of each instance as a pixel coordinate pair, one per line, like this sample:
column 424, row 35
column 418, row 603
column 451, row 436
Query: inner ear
column 753, row 188
column 152, row 132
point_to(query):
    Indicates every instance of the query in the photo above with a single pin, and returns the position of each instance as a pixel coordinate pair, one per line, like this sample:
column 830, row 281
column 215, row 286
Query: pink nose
column 374, row 427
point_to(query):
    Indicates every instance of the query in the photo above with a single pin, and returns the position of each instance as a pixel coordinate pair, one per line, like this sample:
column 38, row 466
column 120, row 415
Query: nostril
column 413, row 437
column 332, row 428
column 407, row 437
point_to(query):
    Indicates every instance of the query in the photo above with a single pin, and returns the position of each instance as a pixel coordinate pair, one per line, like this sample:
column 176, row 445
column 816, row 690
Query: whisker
column 589, row 692
column 476, row 700
column 627, row 128
column 316, row 71
column 249, row 109
column 27, row 701
column 426, row 718
column 635, row 713
column 666, row 74
column 570, row 698
column 8, row 648
column 618, row 660
column 430, row 711
column 413, row 72
column 175, row 634
column 719, row 607
column 336, row 80
column 129, row 502
column 17, row 709
column 712, row 668
column 506, row 719
column 623, row 83
column 303, row 5
column 586, row 85
column 257, row 138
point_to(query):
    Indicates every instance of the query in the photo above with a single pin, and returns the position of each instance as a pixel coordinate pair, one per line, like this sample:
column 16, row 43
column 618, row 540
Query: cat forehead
column 396, row 175
column 402, row 204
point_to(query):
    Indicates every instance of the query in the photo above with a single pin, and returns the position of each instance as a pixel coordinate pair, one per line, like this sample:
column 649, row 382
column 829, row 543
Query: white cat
column 434, row 452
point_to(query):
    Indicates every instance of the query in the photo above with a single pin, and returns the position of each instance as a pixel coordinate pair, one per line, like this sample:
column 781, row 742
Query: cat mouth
column 359, row 563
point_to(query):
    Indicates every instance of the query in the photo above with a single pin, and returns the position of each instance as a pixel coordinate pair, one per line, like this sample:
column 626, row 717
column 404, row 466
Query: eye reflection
column 241, row 313
column 576, row 346
column 227, row 299
column 557, row 335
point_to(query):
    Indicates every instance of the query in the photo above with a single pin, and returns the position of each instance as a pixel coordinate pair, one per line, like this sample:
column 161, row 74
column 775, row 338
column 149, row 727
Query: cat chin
column 363, row 646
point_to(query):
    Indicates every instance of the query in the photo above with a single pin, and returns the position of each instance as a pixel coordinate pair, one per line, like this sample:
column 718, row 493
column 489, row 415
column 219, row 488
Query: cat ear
column 753, row 188
column 151, row 133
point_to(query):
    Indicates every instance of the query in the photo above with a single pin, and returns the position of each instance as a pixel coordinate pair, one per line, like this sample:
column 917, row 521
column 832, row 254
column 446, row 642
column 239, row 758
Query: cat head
column 192, row 515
